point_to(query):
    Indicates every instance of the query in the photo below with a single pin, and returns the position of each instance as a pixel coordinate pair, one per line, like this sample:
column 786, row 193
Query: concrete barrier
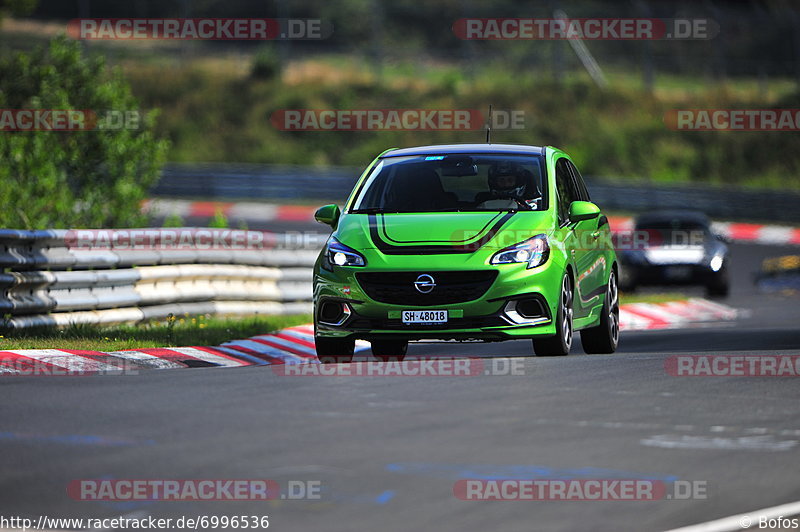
column 48, row 279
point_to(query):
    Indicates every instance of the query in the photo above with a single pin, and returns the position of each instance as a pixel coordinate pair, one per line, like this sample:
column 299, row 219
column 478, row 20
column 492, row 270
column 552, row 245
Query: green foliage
column 17, row 8
column 173, row 220
column 219, row 221
column 266, row 64
column 73, row 179
column 618, row 133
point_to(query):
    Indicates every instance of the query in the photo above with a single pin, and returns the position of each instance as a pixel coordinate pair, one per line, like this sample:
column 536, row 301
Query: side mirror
column 328, row 215
column 583, row 210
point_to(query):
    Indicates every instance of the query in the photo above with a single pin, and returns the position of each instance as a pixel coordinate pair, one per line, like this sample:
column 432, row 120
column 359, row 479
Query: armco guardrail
column 276, row 182
column 53, row 278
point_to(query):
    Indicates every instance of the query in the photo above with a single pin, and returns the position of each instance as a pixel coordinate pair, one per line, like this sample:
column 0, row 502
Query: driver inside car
column 507, row 184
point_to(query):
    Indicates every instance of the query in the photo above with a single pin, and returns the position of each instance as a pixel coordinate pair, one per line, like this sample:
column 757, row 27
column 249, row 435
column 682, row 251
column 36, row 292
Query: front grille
column 397, row 288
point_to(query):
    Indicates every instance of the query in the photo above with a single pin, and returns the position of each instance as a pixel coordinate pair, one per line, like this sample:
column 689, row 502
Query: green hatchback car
column 466, row 242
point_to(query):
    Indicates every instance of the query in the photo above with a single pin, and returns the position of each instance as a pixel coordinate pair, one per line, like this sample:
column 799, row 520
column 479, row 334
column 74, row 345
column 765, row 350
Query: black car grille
column 397, row 288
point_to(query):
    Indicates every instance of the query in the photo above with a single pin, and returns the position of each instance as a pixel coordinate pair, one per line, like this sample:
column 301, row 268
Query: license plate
column 424, row 316
column 678, row 272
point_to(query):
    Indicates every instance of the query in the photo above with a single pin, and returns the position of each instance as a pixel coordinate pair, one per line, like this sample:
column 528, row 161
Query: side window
column 566, row 190
column 583, row 192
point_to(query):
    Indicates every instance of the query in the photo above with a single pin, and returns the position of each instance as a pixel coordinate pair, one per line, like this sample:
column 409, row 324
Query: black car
column 674, row 248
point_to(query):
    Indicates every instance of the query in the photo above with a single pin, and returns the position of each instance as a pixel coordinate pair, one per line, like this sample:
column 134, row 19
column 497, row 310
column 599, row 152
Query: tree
column 58, row 179
column 17, row 8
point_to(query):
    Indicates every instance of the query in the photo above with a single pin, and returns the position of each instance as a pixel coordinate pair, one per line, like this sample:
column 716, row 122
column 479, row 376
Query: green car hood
column 443, row 232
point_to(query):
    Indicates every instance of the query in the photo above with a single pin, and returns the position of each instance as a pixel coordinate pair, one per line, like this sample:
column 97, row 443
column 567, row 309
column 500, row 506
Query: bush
column 58, row 179
column 266, row 65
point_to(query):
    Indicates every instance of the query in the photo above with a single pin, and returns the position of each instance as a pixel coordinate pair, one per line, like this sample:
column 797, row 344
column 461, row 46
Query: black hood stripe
column 387, row 238
column 434, row 249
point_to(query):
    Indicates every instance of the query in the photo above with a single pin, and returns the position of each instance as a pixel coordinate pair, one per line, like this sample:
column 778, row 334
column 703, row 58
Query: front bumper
column 672, row 274
column 489, row 317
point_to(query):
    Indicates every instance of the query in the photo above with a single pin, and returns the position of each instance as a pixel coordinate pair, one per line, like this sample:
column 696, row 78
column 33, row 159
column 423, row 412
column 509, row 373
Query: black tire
column 389, row 350
column 720, row 286
column 335, row 350
column 560, row 343
column 604, row 338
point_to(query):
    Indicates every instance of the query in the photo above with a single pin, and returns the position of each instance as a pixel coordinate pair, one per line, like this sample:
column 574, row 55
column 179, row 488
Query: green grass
column 180, row 332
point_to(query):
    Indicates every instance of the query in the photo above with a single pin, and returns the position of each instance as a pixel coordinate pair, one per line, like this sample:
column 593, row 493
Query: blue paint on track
column 519, row 472
column 73, row 439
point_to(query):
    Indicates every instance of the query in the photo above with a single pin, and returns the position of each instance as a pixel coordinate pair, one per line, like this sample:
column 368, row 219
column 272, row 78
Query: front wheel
column 560, row 343
column 334, row 350
column 604, row 338
column 389, row 350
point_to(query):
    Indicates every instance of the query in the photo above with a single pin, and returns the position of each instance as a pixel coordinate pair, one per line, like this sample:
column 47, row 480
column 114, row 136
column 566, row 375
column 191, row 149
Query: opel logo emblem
column 424, row 284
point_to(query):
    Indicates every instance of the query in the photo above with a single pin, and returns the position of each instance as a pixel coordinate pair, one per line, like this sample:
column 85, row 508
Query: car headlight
column 716, row 263
column 534, row 251
column 341, row 255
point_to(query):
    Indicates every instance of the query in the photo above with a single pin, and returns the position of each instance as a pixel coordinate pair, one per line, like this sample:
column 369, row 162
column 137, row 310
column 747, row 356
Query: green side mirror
column 328, row 215
column 583, row 210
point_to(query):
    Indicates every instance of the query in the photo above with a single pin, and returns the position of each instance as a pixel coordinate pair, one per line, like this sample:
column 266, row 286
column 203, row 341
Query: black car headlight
column 338, row 254
column 533, row 251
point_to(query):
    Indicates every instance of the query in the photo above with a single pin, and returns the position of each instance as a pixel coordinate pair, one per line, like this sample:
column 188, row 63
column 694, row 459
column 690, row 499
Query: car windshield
column 457, row 182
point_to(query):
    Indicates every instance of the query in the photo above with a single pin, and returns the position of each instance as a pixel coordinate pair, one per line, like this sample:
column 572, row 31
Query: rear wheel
column 604, row 338
column 388, row 350
column 334, row 350
column 560, row 343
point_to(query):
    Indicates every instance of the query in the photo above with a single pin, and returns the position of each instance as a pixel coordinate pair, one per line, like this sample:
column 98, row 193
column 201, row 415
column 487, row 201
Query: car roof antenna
column 489, row 127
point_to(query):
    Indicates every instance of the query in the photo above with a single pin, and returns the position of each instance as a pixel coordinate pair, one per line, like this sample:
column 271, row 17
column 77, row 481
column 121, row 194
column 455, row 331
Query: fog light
column 528, row 311
column 334, row 313
column 530, row 308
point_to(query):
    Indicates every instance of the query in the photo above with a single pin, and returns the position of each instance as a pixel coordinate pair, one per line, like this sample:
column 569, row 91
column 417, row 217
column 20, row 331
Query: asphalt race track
column 388, row 450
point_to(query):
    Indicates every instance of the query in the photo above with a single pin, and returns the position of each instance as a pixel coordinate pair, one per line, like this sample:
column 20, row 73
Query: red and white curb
column 674, row 315
column 261, row 212
column 295, row 345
